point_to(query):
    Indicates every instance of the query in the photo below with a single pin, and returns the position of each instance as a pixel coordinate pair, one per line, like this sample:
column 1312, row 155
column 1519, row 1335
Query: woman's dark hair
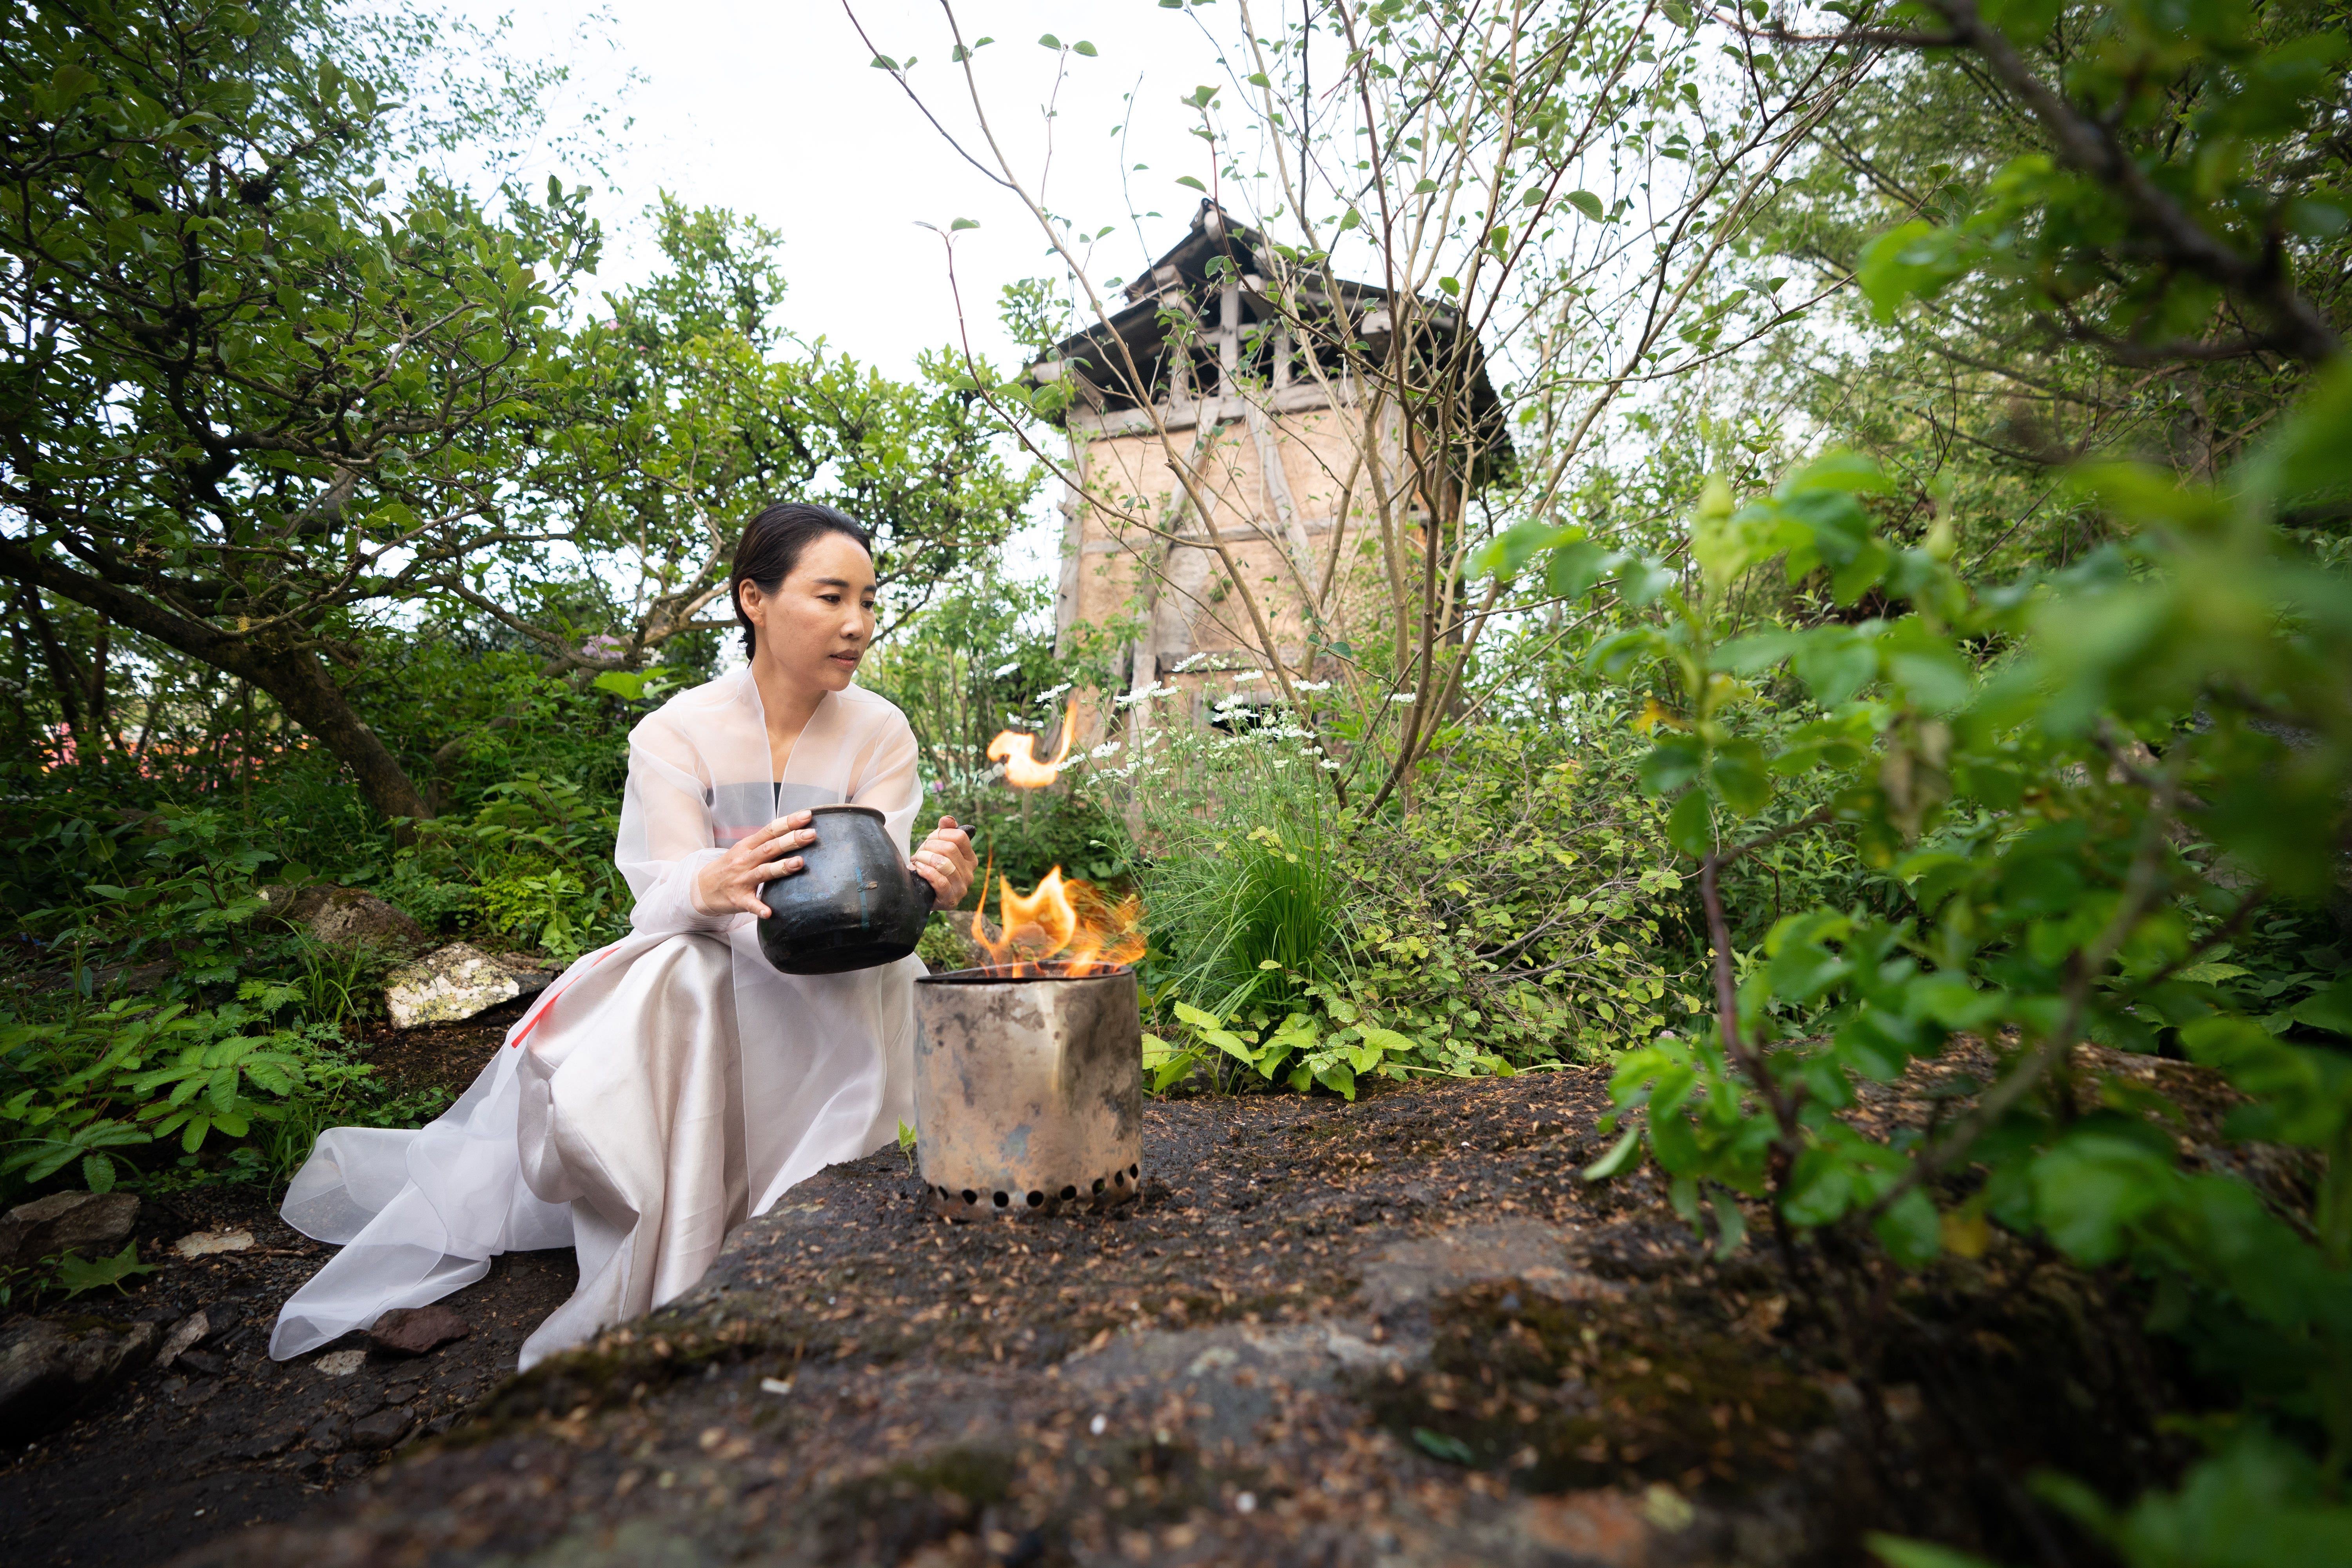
column 771, row 545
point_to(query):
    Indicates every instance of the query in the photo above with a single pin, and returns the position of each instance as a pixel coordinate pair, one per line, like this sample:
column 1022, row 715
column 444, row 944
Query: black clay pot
column 854, row 905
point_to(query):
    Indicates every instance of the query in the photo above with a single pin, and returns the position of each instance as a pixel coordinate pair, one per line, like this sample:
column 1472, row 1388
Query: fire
column 1018, row 752
column 1075, row 925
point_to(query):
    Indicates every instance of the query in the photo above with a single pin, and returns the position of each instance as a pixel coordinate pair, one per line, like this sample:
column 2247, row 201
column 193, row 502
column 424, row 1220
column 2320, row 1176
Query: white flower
column 1240, row 676
column 1002, row 670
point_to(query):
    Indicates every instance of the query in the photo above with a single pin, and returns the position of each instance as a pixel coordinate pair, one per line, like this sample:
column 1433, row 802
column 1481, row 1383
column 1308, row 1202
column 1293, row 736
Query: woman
column 674, row 1084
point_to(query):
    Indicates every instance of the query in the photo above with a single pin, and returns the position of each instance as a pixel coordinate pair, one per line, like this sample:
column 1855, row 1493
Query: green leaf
column 623, row 683
column 1739, row 776
column 1049, row 41
column 1621, row 1153
column 963, row 223
column 1575, row 567
column 1507, row 554
column 1897, row 1552
column 1690, row 826
column 77, row 1274
column 1586, row 203
column 1189, row 180
column 1640, row 581
column 1084, row 48
column 1672, row 763
column 1914, row 260
column 2330, row 1009
column 884, row 63
column 97, row 1173
column 1437, row 1444
column 1911, row 1230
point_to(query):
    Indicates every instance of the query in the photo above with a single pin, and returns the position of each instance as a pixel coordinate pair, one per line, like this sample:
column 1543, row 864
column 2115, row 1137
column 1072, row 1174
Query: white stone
column 341, row 1363
column 457, row 981
column 204, row 1243
column 192, row 1330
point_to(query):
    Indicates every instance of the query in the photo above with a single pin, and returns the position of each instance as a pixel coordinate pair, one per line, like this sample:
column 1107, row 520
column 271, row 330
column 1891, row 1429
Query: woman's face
column 813, row 629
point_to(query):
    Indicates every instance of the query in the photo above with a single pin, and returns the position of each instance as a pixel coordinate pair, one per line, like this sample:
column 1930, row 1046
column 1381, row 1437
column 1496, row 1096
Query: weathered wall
column 1280, row 527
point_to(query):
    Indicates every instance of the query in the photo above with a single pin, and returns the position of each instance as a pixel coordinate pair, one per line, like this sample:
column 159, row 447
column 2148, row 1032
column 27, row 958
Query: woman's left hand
column 945, row 861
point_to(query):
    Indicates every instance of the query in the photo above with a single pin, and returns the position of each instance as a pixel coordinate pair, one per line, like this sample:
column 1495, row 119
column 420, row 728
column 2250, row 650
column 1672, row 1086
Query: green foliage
column 84, row 1087
column 2218, row 99
column 537, row 855
column 980, row 660
column 940, row 947
column 202, row 241
column 1515, row 918
column 2080, row 830
column 236, row 1058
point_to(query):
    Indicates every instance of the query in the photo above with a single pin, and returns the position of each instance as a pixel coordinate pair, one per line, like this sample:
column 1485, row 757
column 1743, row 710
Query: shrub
column 1513, row 919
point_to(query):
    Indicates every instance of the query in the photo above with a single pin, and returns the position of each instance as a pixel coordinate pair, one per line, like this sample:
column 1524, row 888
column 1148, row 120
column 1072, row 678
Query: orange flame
column 1073, row 925
column 1018, row 752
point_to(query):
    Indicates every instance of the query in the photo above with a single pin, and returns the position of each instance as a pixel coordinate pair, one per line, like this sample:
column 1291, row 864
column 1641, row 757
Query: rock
column 341, row 1363
column 204, row 1243
column 415, row 1331
column 190, row 1333
column 50, row 1367
column 202, row 1363
column 264, row 1445
column 381, row 1430
column 457, row 981
column 94, row 1223
column 344, row 917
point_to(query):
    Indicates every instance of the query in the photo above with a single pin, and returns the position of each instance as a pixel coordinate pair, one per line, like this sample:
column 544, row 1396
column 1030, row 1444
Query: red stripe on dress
column 530, row 1019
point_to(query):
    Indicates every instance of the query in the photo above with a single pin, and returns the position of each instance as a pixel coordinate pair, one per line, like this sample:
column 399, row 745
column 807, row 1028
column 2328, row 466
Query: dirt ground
column 1397, row 1333
column 226, row 1437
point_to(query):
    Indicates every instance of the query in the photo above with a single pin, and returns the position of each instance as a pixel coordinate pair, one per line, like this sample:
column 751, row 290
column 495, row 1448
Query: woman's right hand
column 733, row 882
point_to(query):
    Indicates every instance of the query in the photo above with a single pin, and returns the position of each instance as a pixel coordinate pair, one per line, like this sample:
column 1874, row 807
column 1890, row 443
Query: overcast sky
column 774, row 110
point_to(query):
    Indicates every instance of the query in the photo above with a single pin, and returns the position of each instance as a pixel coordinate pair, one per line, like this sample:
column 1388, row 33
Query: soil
column 227, row 1438
column 1400, row 1331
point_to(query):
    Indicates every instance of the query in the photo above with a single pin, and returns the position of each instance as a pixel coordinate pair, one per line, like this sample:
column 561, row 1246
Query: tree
column 1486, row 222
column 247, row 398
column 257, row 403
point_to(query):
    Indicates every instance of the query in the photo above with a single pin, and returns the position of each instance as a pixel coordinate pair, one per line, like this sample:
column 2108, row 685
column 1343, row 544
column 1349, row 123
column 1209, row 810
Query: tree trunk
column 292, row 675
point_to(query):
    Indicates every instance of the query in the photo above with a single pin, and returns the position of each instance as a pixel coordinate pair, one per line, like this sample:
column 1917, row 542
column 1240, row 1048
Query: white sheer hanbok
column 665, row 1087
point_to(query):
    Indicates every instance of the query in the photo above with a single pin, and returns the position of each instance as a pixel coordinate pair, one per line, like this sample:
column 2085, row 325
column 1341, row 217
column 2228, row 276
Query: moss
column 886, row 1516
column 1563, row 1396
column 619, row 1367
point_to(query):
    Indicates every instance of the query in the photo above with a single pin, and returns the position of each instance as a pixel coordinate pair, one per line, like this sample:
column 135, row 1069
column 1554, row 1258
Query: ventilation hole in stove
column 970, row 1196
column 1119, row 1178
column 1069, row 1192
column 1135, row 1171
column 1036, row 1200
column 1099, row 1184
column 1004, row 1200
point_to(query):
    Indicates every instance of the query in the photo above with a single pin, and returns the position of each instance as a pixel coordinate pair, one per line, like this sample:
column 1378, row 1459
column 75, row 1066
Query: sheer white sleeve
column 887, row 781
column 665, row 838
